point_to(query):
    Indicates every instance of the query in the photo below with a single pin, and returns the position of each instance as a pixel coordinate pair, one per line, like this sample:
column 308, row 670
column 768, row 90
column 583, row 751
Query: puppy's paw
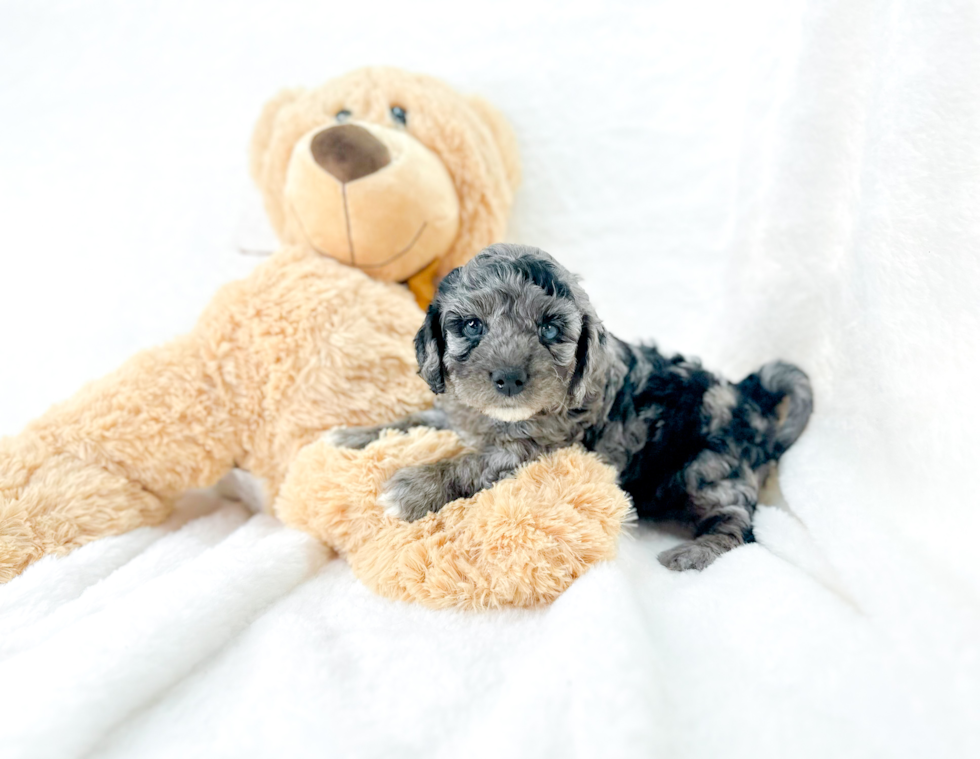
column 351, row 437
column 412, row 493
column 391, row 505
column 695, row 554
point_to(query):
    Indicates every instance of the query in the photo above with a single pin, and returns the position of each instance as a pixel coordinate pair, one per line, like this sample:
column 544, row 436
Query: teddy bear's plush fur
column 520, row 543
column 303, row 344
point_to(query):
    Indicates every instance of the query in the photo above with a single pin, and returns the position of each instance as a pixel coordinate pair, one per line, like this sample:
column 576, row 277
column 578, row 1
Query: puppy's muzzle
column 349, row 152
column 509, row 381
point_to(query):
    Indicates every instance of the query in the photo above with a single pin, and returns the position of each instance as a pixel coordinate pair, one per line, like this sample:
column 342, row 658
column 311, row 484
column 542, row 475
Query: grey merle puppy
column 522, row 366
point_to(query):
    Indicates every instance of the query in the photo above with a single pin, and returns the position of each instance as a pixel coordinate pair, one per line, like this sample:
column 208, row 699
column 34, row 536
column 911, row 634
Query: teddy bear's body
column 301, row 345
column 400, row 176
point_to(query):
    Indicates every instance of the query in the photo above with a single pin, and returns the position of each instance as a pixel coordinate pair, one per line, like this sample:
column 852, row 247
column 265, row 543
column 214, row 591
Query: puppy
column 522, row 366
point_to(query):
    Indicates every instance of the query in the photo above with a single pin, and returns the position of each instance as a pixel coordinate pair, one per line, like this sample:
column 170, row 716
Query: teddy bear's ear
column 503, row 135
column 262, row 134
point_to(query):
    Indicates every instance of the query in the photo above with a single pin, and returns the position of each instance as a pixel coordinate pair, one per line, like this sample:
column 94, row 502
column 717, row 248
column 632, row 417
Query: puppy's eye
column 343, row 116
column 399, row 114
column 549, row 332
column 472, row 328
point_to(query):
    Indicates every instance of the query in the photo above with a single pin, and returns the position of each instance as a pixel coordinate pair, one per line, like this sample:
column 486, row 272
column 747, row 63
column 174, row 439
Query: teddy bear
column 375, row 180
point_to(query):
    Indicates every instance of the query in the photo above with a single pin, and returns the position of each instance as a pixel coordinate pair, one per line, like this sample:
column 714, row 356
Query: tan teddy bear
column 380, row 173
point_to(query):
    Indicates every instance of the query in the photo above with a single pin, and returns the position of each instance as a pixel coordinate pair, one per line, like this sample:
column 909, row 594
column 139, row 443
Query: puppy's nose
column 349, row 152
column 509, row 381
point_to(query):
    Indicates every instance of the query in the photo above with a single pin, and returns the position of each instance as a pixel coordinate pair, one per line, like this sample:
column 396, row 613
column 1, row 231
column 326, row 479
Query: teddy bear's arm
column 519, row 543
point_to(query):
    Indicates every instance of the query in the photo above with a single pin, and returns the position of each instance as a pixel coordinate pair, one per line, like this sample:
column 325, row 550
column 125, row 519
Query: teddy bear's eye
column 343, row 115
column 399, row 114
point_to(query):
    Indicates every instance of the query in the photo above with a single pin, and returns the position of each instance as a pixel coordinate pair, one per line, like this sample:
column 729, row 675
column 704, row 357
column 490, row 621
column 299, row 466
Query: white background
column 740, row 180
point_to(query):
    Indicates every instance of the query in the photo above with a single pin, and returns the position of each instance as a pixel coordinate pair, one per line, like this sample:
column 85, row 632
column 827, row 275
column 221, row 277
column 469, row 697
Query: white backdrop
column 739, row 181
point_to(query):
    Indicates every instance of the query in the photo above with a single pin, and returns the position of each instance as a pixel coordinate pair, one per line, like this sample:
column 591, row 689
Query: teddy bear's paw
column 351, row 437
column 413, row 492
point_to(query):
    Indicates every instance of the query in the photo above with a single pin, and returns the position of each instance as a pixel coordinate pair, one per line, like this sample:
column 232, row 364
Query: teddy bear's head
column 392, row 172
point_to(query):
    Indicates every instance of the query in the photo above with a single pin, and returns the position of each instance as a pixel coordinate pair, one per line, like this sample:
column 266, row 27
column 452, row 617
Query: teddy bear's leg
column 54, row 502
column 117, row 455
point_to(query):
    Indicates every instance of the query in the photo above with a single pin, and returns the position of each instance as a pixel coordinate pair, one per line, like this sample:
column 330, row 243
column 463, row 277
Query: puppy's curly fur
column 523, row 366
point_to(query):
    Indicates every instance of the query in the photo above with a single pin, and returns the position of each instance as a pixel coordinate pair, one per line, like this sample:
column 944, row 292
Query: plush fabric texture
column 303, row 344
column 520, row 543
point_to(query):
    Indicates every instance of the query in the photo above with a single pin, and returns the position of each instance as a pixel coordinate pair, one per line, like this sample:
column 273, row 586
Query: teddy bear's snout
column 349, row 152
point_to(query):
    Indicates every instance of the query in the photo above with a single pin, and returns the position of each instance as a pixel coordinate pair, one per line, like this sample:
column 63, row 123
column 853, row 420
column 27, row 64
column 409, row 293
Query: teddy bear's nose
column 349, row 152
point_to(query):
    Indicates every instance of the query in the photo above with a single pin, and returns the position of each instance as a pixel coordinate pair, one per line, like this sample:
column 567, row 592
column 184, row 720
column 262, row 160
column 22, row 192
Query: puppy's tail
column 768, row 387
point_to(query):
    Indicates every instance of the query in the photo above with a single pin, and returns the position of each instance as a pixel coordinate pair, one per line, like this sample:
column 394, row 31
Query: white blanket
column 742, row 181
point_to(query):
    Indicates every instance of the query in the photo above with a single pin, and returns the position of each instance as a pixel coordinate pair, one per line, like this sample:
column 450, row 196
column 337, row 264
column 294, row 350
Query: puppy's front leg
column 360, row 437
column 416, row 490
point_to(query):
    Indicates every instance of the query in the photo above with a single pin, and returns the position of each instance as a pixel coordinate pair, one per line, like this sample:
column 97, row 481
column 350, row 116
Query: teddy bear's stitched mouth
column 350, row 242
column 350, row 239
column 400, row 253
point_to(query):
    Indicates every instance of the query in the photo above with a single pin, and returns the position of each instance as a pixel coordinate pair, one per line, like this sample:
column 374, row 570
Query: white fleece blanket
column 742, row 181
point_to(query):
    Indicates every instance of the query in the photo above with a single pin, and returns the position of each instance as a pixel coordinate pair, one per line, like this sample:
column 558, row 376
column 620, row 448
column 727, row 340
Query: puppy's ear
column 587, row 380
column 430, row 345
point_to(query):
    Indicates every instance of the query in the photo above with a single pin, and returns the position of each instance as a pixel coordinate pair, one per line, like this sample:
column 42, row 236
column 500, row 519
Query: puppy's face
column 510, row 334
